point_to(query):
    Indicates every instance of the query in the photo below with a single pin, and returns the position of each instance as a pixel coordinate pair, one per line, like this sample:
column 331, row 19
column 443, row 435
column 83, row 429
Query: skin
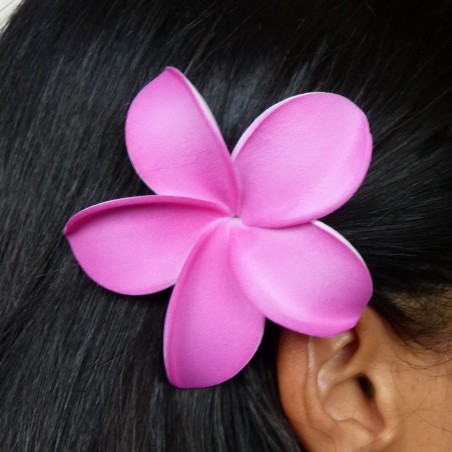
column 364, row 390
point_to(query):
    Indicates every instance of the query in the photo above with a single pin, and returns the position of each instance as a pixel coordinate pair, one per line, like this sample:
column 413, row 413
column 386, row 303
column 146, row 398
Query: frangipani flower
column 236, row 234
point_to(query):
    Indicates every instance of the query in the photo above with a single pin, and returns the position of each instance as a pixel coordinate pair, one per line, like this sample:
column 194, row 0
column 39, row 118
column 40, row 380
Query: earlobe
column 335, row 391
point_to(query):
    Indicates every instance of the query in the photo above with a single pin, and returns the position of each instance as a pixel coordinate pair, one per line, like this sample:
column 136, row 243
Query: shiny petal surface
column 138, row 245
column 211, row 330
column 307, row 278
column 175, row 144
column 301, row 159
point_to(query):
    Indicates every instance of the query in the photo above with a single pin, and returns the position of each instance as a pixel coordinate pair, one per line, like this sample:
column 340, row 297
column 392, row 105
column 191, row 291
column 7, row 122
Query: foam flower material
column 238, row 235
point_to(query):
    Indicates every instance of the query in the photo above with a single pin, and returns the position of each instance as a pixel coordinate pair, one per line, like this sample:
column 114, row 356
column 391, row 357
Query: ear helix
column 345, row 390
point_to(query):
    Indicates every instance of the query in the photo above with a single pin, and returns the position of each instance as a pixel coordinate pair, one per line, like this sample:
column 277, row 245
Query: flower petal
column 175, row 144
column 211, row 330
column 307, row 278
column 138, row 245
column 301, row 159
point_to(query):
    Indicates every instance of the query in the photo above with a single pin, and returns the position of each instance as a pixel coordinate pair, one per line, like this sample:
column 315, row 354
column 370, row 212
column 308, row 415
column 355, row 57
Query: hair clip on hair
column 237, row 234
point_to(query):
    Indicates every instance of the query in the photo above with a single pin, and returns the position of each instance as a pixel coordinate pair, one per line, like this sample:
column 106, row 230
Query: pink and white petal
column 301, row 159
column 175, row 144
column 306, row 278
column 138, row 245
column 211, row 330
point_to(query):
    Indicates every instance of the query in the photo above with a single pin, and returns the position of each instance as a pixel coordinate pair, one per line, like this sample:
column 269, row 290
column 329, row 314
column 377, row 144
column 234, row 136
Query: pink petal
column 211, row 330
column 307, row 278
column 175, row 144
column 302, row 159
column 138, row 245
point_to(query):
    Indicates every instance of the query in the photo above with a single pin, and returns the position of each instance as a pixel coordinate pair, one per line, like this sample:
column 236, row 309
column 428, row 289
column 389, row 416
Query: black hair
column 81, row 368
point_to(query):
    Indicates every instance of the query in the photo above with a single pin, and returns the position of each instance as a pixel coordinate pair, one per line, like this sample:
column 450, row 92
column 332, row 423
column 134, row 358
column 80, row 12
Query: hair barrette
column 236, row 234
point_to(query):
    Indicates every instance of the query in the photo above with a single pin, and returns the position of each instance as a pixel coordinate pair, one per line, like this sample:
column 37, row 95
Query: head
column 83, row 367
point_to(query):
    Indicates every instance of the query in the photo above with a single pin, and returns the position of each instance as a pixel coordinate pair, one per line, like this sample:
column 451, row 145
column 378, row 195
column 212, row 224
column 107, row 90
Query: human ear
column 338, row 393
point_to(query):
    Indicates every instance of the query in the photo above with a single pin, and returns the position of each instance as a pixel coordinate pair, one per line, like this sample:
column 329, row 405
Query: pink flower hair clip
column 237, row 235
